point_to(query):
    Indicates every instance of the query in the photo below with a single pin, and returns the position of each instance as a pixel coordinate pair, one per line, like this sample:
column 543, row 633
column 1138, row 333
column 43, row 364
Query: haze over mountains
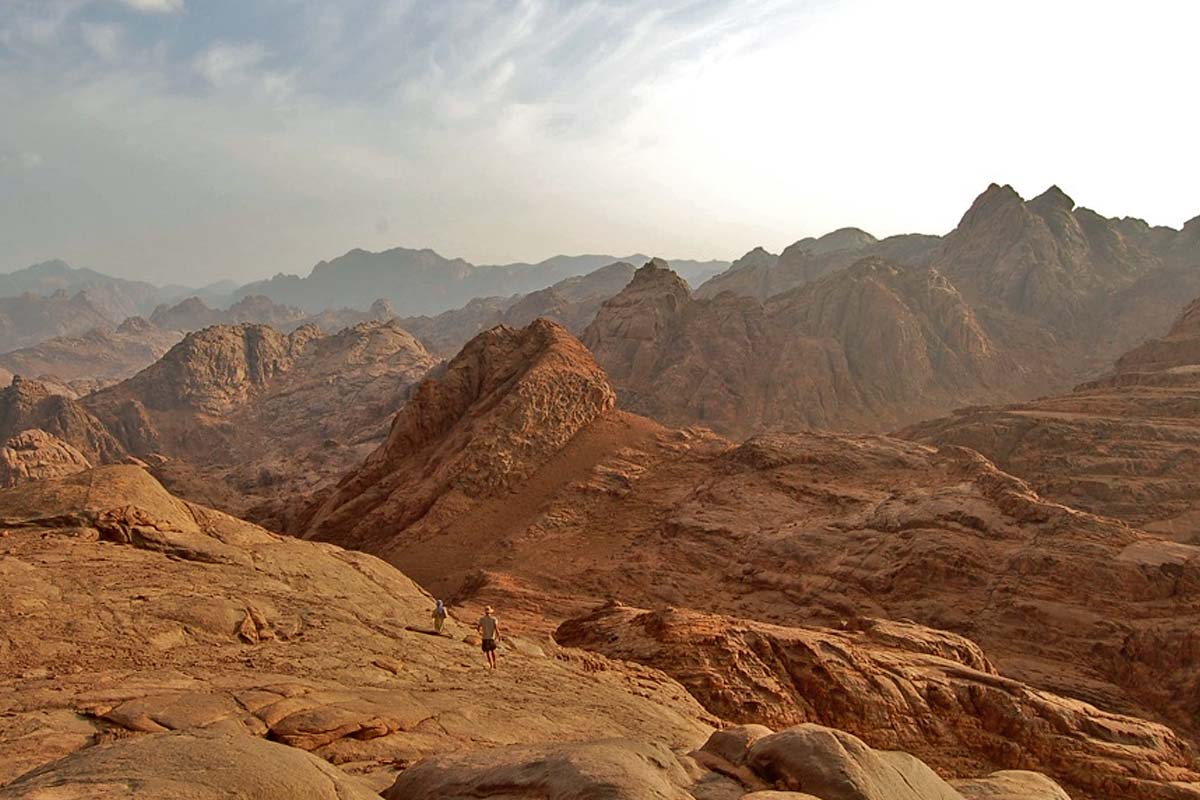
column 224, row 522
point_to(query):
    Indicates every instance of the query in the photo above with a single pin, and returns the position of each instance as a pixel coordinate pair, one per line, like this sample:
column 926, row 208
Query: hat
column 489, row 610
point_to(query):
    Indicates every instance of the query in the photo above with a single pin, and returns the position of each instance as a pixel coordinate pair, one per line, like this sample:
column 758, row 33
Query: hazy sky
column 191, row 140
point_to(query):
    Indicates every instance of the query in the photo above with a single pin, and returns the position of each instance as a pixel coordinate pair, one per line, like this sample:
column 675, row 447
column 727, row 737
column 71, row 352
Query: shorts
column 489, row 645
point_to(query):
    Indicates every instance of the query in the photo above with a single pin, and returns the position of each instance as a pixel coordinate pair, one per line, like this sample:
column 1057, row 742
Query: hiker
column 489, row 629
column 439, row 617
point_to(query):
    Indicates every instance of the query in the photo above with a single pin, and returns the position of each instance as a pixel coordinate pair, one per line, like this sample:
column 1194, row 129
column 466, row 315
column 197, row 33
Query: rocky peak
column 217, row 368
column 490, row 418
column 842, row 239
column 758, row 258
column 994, row 200
column 1052, row 198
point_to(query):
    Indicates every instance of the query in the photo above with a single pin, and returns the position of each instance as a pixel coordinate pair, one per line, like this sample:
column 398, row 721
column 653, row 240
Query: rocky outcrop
column 26, row 405
column 486, row 422
column 201, row 765
column 251, row 420
column 868, row 346
column 153, row 623
column 32, row 455
column 897, row 685
column 1124, row 445
column 806, row 762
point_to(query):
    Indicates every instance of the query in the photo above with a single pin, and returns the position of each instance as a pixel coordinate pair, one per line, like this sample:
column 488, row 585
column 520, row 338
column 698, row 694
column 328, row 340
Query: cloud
column 224, row 64
column 155, row 6
column 259, row 137
column 104, row 39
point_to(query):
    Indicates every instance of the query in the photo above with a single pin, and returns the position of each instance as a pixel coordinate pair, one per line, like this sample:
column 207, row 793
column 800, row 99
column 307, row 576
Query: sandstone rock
column 1124, row 445
column 871, row 343
column 27, row 405
column 617, row 769
column 131, row 604
column 102, row 354
column 482, row 425
column 196, row 766
column 34, row 454
column 241, row 417
column 837, row 766
column 898, row 686
column 1011, row 785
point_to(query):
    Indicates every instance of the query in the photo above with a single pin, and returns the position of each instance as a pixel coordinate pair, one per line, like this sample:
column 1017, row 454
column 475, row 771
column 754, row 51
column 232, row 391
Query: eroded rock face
column 27, row 405
column 806, row 762
column 250, row 419
column 34, row 454
column 139, row 613
column 899, row 686
column 1125, row 445
column 572, row 302
column 485, row 423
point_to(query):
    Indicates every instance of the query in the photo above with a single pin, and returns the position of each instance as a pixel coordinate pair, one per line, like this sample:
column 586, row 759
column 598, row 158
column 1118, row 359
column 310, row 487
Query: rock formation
column 760, row 274
column 1056, row 292
column 30, row 318
column 897, row 685
column 155, row 635
column 573, row 302
column 26, row 405
column 32, row 455
column 1124, row 445
column 821, row 528
column 867, row 346
column 193, row 314
column 486, row 422
column 245, row 417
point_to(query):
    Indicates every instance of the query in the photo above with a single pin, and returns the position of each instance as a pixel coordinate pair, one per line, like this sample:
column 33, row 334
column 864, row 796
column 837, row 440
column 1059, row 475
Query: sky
column 186, row 141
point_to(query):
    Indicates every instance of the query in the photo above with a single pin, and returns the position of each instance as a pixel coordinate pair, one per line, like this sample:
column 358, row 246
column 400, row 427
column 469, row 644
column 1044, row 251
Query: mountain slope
column 1125, row 445
column 861, row 347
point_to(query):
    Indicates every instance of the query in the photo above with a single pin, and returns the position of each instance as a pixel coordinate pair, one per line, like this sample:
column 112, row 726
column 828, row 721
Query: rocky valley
column 224, row 525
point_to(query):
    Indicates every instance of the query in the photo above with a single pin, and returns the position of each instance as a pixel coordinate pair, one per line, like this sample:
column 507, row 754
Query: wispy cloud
column 510, row 129
column 155, row 6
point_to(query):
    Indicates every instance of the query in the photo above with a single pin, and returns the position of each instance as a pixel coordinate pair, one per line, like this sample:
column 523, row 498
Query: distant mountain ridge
column 423, row 282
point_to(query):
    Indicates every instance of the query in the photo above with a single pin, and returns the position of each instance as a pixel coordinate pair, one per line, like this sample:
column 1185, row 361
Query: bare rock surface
column 138, row 613
column 28, row 404
column 1024, row 298
column 572, row 302
column 34, row 454
column 1125, row 445
column 871, row 343
column 897, row 685
column 247, row 418
column 195, row 765
column 486, row 422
